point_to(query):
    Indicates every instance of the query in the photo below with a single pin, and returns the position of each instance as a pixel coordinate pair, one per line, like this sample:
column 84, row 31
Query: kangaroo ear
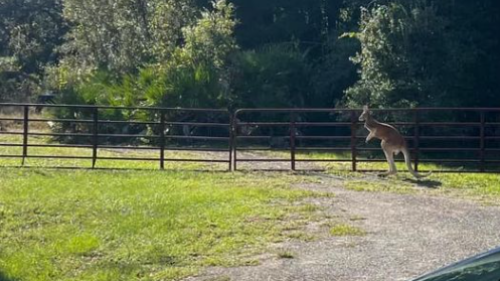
column 365, row 108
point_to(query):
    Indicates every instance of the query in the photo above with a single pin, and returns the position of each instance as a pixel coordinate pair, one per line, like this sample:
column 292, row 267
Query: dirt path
column 407, row 235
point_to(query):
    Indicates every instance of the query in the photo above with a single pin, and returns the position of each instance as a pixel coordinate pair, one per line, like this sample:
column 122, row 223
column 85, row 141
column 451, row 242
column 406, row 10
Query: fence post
column 162, row 140
column 25, row 132
column 235, row 141
column 353, row 141
column 416, row 138
column 483, row 144
column 292, row 139
column 231, row 139
column 95, row 136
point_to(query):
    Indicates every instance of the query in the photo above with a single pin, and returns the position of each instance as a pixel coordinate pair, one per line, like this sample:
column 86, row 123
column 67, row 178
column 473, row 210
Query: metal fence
column 452, row 137
column 105, row 127
column 465, row 137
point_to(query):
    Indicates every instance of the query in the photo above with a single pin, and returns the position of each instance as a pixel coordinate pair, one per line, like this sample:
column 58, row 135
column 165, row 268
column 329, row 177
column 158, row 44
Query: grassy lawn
column 102, row 163
column 151, row 225
column 140, row 225
column 482, row 187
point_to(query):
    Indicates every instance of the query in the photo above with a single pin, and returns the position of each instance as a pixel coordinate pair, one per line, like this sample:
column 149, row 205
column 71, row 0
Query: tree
column 276, row 21
column 275, row 76
column 422, row 53
column 123, row 35
column 198, row 74
column 333, row 72
column 30, row 33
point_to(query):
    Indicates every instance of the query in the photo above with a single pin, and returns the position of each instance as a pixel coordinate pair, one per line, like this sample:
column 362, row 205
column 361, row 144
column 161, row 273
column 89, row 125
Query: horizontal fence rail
column 458, row 139
column 98, row 128
column 427, row 131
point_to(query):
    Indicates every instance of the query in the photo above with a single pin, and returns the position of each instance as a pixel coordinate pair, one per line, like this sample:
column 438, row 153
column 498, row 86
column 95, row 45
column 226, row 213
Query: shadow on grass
column 4, row 278
column 425, row 183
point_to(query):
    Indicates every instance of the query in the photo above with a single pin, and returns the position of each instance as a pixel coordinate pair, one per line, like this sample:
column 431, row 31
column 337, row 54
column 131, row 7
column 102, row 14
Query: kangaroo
column 392, row 142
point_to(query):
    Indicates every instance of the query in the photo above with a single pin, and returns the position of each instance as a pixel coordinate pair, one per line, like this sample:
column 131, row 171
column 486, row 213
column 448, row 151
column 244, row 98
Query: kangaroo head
column 366, row 113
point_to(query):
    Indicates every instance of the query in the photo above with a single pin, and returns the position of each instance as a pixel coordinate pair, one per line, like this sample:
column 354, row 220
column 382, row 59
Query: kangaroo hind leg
column 389, row 156
column 390, row 159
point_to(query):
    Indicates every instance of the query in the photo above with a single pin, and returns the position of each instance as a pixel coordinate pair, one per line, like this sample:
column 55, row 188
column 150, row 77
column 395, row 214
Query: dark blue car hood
column 483, row 258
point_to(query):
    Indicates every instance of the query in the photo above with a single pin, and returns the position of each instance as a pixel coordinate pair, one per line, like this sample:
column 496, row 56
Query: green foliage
column 402, row 56
column 252, row 53
column 30, row 32
column 14, row 83
column 415, row 53
column 333, row 73
column 308, row 22
column 275, row 76
column 198, row 73
column 122, row 35
column 194, row 75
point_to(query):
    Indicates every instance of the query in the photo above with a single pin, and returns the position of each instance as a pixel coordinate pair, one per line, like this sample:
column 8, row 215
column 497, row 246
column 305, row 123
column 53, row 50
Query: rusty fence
column 457, row 139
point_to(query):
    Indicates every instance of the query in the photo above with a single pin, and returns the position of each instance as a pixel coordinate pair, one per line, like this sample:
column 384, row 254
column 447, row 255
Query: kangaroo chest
column 370, row 128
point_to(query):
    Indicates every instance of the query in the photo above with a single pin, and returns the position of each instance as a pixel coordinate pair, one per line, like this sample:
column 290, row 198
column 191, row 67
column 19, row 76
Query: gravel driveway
column 407, row 235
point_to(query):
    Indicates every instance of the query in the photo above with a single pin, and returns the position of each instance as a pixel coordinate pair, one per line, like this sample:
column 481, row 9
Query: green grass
column 87, row 152
column 139, row 225
column 346, row 230
column 482, row 187
column 220, row 278
column 286, row 255
column 151, row 225
column 347, row 166
column 390, row 184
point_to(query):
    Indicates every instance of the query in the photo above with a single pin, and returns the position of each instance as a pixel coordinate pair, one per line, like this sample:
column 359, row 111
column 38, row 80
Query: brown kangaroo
column 392, row 142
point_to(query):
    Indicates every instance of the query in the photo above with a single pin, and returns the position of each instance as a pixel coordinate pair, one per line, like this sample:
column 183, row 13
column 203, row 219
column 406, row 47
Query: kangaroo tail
column 406, row 154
